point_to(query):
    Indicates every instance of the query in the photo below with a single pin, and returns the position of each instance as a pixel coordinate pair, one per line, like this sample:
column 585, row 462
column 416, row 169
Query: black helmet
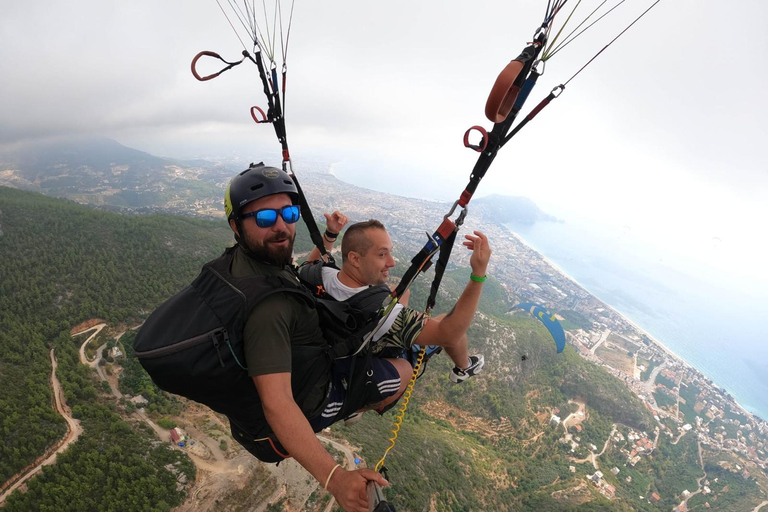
column 255, row 182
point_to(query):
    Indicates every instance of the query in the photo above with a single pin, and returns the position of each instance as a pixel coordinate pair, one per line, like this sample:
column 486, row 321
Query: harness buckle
column 460, row 219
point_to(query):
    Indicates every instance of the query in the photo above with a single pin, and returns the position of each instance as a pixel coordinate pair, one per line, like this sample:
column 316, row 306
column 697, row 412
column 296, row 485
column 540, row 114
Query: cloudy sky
column 662, row 136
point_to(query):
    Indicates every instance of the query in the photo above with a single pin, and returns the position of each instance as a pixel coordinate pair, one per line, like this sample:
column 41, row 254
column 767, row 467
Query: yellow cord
column 403, row 406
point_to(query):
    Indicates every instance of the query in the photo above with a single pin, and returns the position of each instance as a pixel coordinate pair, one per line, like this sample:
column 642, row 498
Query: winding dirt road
column 698, row 482
column 592, row 457
column 577, row 417
column 73, row 432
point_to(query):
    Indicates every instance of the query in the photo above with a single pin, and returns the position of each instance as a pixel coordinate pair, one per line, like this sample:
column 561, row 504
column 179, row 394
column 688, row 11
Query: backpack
column 345, row 323
column 192, row 345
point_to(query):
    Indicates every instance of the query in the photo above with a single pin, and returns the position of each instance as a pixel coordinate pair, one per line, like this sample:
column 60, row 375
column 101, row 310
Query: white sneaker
column 476, row 364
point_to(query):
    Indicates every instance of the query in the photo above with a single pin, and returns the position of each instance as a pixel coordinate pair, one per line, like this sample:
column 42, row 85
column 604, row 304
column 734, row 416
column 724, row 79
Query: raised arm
column 334, row 223
column 455, row 324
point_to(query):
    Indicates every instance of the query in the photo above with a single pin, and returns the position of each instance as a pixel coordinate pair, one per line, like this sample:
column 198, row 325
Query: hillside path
column 73, row 432
column 577, row 417
column 698, row 482
column 603, row 337
column 592, row 457
column 83, row 359
column 652, row 377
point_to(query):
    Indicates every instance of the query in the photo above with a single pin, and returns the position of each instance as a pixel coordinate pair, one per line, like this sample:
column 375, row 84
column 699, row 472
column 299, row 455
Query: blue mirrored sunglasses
column 267, row 217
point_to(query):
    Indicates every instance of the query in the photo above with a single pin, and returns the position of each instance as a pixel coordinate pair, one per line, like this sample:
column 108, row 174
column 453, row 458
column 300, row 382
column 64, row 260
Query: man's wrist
column 331, row 235
column 328, row 480
column 478, row 279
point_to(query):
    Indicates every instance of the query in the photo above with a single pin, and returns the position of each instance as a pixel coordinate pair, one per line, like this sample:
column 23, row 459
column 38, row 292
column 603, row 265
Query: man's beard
column 268, row 253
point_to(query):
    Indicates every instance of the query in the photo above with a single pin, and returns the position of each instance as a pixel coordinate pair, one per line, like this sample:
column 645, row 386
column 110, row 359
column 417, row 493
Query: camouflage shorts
column 403, row 333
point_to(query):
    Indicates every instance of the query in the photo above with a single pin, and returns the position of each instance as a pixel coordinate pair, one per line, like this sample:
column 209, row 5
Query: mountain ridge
column 101, row 171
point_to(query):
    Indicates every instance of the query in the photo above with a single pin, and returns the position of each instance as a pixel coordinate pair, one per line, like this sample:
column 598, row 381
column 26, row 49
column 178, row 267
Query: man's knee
column 404, row 371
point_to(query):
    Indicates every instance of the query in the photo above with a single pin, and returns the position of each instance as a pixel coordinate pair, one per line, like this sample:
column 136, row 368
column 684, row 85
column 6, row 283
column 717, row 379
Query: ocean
column 715, row 327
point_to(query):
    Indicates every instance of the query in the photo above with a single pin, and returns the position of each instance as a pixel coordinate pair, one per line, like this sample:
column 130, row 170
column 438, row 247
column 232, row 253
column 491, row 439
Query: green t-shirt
column 283, row 334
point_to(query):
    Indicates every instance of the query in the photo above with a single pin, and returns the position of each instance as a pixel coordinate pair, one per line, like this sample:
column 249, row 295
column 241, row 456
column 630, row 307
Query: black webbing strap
column 445, row 236
column 309, row 220
column 275, row 116
column 422, row 260
column 527, row 79
column 442, row 263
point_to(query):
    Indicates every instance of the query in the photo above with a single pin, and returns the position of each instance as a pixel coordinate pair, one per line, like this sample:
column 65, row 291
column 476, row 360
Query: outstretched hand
column 336, row 221
column 481, row 253
column 350, row 488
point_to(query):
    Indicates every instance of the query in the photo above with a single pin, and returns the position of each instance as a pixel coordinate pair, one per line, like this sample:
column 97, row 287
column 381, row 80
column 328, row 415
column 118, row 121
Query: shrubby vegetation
column 731, row 491
column 113, row 466
column 668, row 383
column 581, row 320
column 648, row 370
column 663, row 399
column 61, row 264
column 676, row 468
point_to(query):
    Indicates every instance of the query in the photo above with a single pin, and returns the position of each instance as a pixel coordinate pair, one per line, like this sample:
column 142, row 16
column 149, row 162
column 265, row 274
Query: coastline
column 639, row 329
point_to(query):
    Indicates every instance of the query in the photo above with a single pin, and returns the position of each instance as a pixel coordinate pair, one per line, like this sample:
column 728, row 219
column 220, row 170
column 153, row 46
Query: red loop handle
column 205, row 53
column 504, row 93
column 255, row 118
column 483, row 142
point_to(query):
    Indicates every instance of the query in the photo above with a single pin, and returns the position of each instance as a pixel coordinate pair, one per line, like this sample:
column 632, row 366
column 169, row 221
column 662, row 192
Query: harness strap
column 442, row 263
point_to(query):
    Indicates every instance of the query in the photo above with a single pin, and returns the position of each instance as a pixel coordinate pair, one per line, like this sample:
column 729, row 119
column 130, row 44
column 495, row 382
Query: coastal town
column 682, row 400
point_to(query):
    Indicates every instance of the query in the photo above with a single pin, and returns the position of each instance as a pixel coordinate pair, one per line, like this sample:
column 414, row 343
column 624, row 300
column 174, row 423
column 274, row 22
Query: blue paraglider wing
column 549, row 320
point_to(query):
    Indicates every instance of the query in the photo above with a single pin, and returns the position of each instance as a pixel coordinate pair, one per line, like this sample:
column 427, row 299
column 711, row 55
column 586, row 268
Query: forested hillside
column 61, row 264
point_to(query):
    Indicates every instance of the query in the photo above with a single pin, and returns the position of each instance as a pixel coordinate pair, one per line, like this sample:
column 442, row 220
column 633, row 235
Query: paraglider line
column 555, row 9
column 567, row 41
column 248, row 16
column 288, row 33
column 284, row 46
column 565, row 23
column 231, row 25
column 549, row 52
column 612, row 41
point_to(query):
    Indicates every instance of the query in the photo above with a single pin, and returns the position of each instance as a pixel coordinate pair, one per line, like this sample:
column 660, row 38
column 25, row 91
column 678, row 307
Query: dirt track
column 73, row 432
column 224, row 474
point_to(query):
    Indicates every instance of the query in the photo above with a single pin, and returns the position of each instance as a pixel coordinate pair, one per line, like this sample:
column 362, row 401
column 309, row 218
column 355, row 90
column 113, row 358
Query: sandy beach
column 574, row 281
